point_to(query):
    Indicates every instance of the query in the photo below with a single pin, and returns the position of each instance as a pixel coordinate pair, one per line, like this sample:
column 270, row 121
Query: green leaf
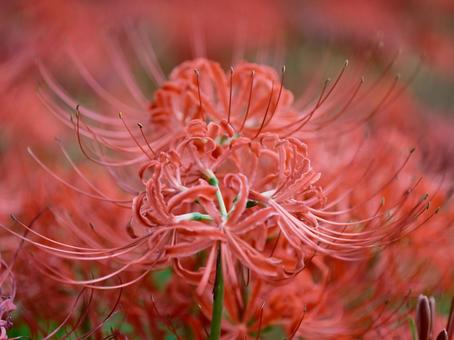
column 412, row 325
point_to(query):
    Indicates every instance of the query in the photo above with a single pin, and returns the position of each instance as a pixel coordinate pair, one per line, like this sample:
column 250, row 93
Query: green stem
column 214, row 182
column 194, row 216
column 218, row 299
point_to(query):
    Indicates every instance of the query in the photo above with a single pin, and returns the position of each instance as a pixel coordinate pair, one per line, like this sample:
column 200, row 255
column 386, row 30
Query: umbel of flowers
column 225, row 183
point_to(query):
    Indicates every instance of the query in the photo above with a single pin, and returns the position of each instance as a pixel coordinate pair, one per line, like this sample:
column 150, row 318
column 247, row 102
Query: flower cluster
column 225, row 179
column 215, row 197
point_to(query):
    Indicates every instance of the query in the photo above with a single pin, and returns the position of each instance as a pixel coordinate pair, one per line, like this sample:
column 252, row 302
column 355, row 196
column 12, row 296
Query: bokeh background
column 412, row 38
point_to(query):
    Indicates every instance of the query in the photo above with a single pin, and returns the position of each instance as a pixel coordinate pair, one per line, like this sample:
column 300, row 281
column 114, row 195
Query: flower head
column 222, row 173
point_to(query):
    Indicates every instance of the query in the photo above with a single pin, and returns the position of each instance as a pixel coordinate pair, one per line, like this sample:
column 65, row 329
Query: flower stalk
column 218, row 289
column 212, row 179
column 218, row 299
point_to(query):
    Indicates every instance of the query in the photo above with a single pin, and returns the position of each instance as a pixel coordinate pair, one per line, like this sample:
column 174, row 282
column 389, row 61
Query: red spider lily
column 193, row 199
column 277, row 178
column 238, row 179
column 230, row 159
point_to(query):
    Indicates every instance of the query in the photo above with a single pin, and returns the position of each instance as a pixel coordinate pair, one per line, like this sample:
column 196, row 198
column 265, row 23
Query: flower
column 222, row 168
column 314, row 211
column 229, row 168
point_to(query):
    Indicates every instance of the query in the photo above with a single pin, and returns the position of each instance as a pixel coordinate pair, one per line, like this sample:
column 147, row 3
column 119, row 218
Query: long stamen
column 341, row 73
column 101, row 142
column 266, row 111
column 406, row 84
column 108, row 316
column 83, row 315
column 382, row 76
column 120, row 115
column 230, row 94
column 199, row 92
column 72, row 309
column 278, row 96
column 140, row 125
column 249, row 101
column 346, row 106
column 304, row 120
column 69, row 185
column 323, row 97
